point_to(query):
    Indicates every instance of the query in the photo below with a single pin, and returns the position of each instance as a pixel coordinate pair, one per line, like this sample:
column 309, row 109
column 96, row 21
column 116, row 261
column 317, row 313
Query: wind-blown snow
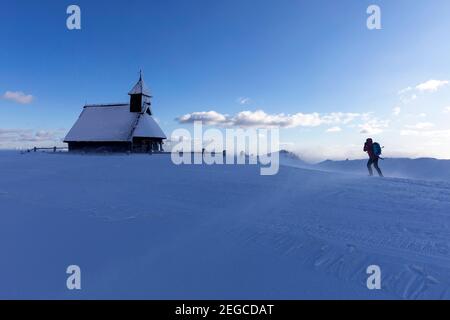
column 141, row 227
column 422, row 168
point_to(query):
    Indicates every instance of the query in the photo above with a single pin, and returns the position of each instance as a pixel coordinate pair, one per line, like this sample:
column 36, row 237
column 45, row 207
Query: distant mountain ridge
column 292, row 159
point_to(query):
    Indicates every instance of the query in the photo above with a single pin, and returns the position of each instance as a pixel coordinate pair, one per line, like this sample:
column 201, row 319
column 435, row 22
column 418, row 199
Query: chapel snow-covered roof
column 147, row 127
column 101, row 123
column 140, row 88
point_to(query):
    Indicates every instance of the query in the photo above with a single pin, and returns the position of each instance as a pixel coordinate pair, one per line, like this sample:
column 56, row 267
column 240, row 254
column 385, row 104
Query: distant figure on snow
column 374, row 152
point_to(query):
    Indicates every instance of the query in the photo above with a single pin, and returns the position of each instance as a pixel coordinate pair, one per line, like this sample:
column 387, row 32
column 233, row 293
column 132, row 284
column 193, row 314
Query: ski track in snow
column 208, row 218
column 409, row 241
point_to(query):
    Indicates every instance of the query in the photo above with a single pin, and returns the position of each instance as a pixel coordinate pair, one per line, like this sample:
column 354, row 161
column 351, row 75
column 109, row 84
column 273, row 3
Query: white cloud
column 431, row 85
column 243, row 100
column 396, row 111
column 405, row 90
column 420, row 126
column 374, row 126
column 18, row 97
column 334, row 129
column 207, row 117
column 447, row 109
column 18, row 136
column 427, row 134
column 409, row 94
column 261, row 119
column 342, row 117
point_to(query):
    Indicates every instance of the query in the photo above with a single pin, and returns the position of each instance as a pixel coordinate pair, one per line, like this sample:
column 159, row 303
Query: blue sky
column 300, row 63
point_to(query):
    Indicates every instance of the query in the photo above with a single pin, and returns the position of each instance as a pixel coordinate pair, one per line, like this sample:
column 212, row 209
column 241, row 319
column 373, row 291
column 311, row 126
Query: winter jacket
column 368, row 147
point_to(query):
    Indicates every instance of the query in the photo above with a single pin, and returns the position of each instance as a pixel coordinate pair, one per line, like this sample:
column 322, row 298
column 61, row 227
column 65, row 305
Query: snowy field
column 141, row 227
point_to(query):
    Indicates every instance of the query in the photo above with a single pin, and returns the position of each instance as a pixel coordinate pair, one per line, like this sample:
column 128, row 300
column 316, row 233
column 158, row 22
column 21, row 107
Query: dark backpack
column 376, row 149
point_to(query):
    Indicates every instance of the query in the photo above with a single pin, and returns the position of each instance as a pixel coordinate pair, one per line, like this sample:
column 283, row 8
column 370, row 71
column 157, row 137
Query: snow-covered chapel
column 124, row 127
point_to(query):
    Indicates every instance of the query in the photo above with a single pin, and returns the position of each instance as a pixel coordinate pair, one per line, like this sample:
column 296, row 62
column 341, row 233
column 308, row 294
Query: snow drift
column 140, row 227
column 422, row 168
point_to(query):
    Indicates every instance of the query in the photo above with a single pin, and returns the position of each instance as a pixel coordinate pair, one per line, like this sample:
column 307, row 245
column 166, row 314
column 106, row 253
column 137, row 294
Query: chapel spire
column 140, row 96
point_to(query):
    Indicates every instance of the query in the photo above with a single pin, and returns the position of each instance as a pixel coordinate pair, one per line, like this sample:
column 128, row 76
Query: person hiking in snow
column 374, row 152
